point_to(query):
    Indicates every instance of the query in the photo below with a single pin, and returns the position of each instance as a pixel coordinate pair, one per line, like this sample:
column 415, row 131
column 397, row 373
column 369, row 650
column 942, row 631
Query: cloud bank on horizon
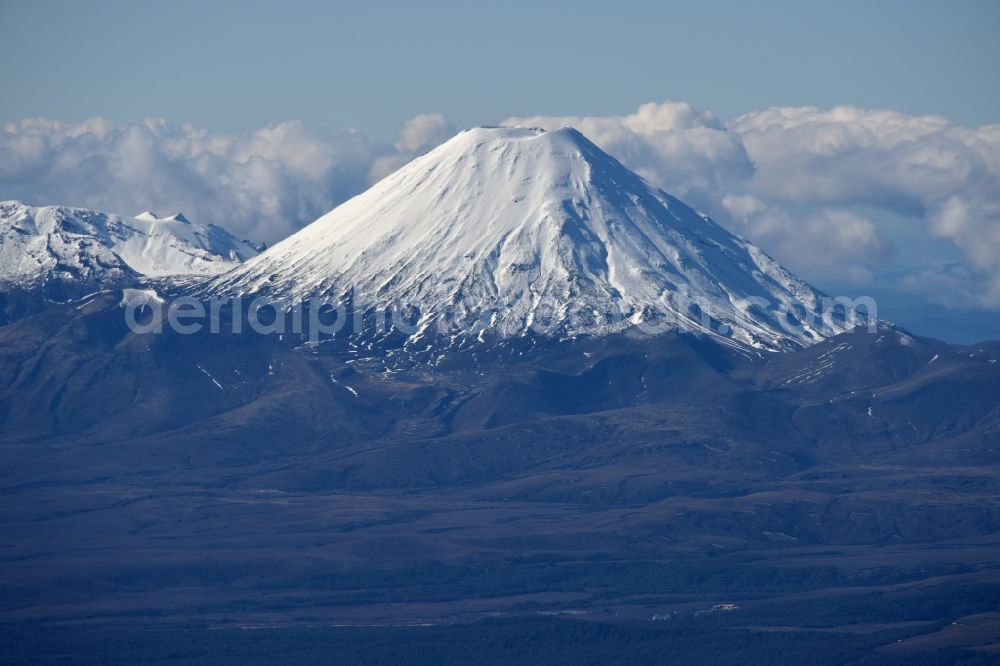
column 261, row 185
column 836, row 194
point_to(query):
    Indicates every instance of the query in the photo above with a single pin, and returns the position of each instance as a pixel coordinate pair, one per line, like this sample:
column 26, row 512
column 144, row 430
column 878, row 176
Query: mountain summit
column 537, row 231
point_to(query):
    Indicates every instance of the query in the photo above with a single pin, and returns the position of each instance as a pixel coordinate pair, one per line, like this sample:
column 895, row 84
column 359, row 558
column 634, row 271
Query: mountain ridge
column 91, row 249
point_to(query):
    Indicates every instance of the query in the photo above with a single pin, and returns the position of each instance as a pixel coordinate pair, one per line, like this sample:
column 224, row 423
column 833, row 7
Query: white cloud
column 830, row 243
column 423, row 132
column 973, row 224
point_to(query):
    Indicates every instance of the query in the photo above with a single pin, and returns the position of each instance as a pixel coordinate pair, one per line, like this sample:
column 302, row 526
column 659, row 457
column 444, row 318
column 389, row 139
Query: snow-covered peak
column 39, row 244
column 534, row 231
column 150, row 216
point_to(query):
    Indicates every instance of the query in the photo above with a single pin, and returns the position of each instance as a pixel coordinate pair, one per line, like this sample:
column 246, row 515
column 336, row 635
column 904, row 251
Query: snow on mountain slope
column 89, row 248
column 527, row 230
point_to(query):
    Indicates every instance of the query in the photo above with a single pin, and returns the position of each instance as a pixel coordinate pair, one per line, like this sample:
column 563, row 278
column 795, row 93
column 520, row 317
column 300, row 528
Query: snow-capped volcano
column 93, row 249
column 535, row 231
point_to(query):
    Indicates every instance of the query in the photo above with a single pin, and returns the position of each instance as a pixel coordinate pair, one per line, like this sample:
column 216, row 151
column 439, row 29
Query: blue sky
column 229, row 66
column 857, row 142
